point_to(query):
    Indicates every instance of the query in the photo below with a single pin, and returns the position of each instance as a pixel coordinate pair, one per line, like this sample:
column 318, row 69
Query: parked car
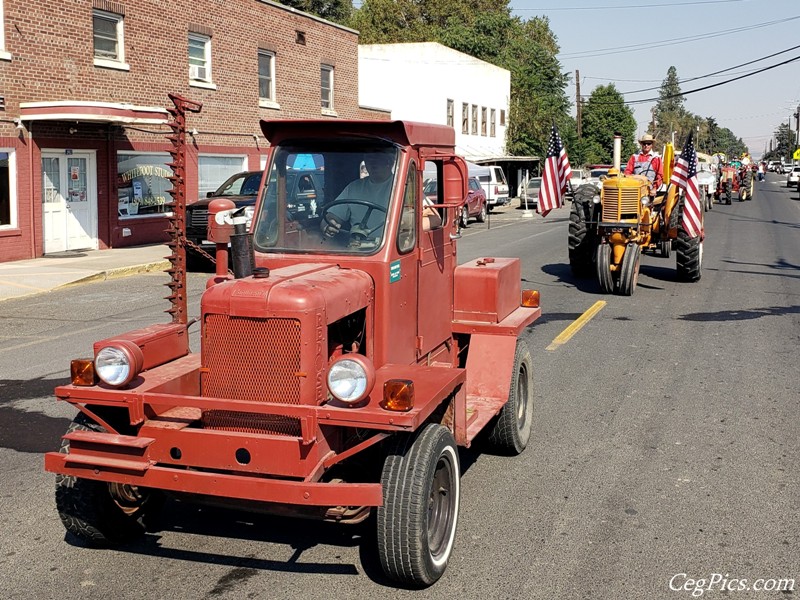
column 304, row 186
column 494, row 184
column 529, row 194
column 793, row 177
column 597, row 174
column 474, row 207
column 241, row 189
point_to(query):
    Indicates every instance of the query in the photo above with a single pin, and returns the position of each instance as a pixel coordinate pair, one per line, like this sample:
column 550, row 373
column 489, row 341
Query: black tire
column 604, row 277
column 629, row 270
column 689, row 253
column 582, row 240
column 510, row 431
column 90, row 511
column 464, row 217
column 416, row 525
column 665, row 248
column 481, row 218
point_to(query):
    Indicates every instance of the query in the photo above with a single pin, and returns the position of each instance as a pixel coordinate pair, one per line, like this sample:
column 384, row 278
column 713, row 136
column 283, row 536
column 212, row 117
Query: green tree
column 486, row 30
column 338, row 11
column 604, row 115
column 785, row 141
column 670, row 114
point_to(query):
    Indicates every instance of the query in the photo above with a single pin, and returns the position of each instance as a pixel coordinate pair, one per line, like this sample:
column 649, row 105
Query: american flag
column 557, row 174
column 684, row 176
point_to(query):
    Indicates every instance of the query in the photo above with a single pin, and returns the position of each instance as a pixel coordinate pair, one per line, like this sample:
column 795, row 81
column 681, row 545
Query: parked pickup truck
column 494, row 184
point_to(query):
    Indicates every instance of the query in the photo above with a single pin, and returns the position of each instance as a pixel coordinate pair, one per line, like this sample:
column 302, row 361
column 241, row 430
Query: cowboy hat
column 647, row 138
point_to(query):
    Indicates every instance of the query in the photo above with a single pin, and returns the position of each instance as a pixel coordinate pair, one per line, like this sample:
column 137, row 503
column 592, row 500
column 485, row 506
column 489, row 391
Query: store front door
column 69, row 200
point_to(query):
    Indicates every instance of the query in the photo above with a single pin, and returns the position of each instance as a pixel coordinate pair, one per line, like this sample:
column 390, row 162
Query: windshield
column 599, row 172
column 241, row 184
column 327, row 198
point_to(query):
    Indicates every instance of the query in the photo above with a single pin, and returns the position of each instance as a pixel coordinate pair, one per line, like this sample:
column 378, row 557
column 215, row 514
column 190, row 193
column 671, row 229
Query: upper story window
column 109, row 40
column 483, row 120
column 3, row 54
column 266, row 77
column 474, row 120
column 199, row 59
column 326, row 87
column 502, row 118
column 492, row 119
column 450, row 110
column 465, row 118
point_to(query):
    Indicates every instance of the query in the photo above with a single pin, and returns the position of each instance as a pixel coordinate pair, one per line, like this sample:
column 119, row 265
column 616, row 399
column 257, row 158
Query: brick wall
column 52, row 59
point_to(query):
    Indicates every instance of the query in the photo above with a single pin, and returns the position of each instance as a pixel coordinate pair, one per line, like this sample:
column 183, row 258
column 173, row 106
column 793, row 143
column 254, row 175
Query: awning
column 94, row 112
column 497, row 159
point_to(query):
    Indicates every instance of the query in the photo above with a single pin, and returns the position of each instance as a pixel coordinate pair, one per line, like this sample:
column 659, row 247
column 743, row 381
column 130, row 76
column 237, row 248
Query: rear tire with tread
column 511, row 429
column 604, row 277
column 629, row 270
column 689, row 262
column 582, row 240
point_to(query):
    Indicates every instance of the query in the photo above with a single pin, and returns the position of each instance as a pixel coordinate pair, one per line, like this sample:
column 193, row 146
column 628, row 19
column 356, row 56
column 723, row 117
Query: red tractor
column 727, row 184
column 337, row 374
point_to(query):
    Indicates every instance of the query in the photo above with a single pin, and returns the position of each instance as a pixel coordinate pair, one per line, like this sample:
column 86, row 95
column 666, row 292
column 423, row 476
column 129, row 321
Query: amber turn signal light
column 530, row 298
column 82, row 371
column 398, row 395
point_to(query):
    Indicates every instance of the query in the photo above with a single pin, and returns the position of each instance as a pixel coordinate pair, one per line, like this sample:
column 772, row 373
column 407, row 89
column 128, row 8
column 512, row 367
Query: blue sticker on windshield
column 394, row 271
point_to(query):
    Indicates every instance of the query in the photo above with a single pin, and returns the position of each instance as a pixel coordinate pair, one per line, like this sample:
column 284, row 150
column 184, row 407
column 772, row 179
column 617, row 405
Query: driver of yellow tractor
column 375, row 188
column 646, row 163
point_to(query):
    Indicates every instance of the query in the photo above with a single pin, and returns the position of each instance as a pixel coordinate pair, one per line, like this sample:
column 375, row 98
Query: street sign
column 796, row 154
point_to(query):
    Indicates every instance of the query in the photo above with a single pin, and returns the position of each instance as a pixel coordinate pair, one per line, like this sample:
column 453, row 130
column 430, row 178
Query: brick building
column 83, row 92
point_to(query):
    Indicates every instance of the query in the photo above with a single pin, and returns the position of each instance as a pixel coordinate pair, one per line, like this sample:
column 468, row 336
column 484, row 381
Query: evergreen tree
column 604, row 115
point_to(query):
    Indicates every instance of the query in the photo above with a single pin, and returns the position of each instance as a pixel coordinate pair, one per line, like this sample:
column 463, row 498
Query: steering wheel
column 371, row 206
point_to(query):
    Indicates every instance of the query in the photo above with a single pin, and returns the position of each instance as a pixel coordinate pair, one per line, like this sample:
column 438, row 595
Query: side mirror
column 209, row 194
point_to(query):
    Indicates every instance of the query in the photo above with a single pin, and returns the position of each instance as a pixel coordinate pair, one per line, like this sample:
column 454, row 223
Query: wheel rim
column 464, row 216
column 441, row 507
column 127, row 497
column 522, row 397
column 483, row 212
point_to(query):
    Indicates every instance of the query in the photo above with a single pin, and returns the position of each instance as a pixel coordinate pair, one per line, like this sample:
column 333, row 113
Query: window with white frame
column 8, row 189
column 109, row 39
column 214, row 170
column 143, row 184
column 492, row 119
column 3, row 54
column 450, row 111
column 474, row 120
column 199, row 58
column 464, row 118
column 483, row 120
column 266, row 75
column 326, row 86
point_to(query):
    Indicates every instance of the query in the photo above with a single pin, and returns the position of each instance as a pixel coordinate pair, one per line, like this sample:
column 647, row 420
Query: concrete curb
column 119, row 272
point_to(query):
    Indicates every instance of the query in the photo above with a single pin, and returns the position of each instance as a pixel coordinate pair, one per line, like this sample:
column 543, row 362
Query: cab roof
column 405, row 133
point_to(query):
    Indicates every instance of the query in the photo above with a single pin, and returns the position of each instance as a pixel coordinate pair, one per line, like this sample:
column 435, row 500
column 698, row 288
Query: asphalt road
column 666, row 442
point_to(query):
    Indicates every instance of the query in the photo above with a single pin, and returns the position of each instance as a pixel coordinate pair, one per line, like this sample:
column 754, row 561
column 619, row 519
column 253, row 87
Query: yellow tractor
column 612, row 225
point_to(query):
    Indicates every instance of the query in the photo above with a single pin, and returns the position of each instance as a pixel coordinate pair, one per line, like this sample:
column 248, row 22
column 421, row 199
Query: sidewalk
column 35, row 276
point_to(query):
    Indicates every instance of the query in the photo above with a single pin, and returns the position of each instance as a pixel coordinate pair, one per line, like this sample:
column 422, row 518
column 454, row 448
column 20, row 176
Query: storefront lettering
column 144, row 171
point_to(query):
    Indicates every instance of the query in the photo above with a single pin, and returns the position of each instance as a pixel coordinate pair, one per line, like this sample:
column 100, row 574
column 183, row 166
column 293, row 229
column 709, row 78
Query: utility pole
column 797, row 126
column 578, row 101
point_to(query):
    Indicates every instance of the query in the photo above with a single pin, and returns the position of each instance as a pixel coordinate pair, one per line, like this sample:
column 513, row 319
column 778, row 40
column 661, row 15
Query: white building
column 431, row 83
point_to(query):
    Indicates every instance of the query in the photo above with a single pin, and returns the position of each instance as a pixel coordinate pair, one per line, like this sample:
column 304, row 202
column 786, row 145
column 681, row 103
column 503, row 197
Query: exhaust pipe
column 617, row 150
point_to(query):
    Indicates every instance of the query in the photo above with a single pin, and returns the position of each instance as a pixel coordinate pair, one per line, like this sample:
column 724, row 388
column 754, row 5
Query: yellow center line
column 576, row 325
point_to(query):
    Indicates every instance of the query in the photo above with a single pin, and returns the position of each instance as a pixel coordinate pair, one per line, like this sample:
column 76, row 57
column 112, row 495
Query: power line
column 627, row 7
column 671, row 42
column 713, row 85
column 715, row 73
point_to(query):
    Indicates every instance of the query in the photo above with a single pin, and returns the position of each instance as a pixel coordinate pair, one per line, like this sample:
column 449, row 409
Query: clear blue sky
column 752, row 107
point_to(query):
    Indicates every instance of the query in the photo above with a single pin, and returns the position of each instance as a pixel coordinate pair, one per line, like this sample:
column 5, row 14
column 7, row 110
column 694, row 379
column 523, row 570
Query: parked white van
column 493, row 181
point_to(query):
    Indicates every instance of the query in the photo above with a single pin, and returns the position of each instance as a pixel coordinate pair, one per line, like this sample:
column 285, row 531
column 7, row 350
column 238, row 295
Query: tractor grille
column 620, row 204
column 254, row 359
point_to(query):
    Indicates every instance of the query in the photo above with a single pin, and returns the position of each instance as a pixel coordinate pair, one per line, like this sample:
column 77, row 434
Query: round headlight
column 596, row 199
column 351, row 379
column 645, row 200
column 117, row 365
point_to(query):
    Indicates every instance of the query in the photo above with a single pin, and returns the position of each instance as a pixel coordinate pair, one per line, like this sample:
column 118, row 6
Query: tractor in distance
column 336, row 377
column 609, row 228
